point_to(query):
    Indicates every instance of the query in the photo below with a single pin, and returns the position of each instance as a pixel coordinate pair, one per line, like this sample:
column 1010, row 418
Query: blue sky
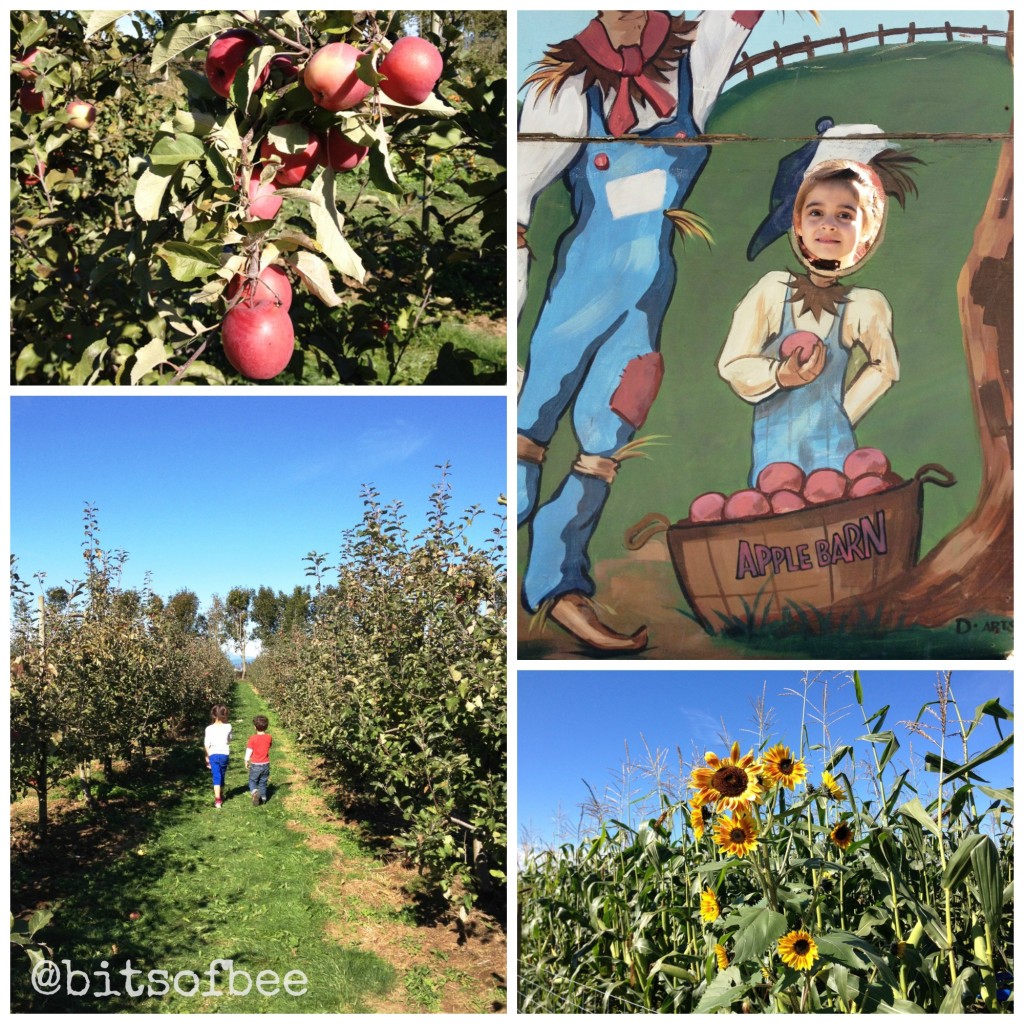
column 575, row 726
column 537, row 29
column 214, row 492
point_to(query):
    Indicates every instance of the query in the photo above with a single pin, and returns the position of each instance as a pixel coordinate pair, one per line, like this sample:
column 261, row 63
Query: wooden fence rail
column 808, row 46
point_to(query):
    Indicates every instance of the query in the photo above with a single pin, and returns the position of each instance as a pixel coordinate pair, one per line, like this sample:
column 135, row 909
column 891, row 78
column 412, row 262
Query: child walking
column 257, row 757
column 216, row 742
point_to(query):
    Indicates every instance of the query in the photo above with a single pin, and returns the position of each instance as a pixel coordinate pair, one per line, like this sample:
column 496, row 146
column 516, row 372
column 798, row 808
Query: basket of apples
column 800, row 542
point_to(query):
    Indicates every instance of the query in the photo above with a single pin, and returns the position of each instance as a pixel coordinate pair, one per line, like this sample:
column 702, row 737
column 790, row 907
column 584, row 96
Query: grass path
column 189, row 884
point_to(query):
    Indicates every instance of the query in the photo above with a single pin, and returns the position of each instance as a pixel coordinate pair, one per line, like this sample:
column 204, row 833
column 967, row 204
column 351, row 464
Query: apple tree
column 257, row 148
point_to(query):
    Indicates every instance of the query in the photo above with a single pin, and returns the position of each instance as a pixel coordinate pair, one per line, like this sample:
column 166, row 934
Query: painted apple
column 867, row 484
column 780, row 476
column 746, row 503
column 258, row 339
column 411, row 70
column 80, row 114
column 264, row 203
column 271, row 286
column 865, row 461
column 294, row 166
column 30, row 101
column 707, row 508
column 802, row 342
column 331, row 77
column 892, row 478
column 786, row 501
column 28, row 60
column 226, row 55
column 824, row 485
column 340, row 154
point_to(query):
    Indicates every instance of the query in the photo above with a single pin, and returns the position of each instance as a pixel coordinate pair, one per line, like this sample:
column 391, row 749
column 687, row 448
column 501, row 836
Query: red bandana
column 629, row 63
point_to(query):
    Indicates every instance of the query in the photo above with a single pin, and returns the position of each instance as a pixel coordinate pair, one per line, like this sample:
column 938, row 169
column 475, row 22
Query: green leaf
column 329, row 222
column 99, row 20
column 759, row 927
column 186, row 35
column 1005, row 795
column 960, row 863
column 148, row 357
column 85, row 366
column 149, row 192
column 985, row 859
column 900, row 1006
column 33, row 32
column 187, row 262
column 932, row 761
column 727, row 987
column 182, row 149
column 915, row 810
column 837, row 756
column 858, row 689
column 954, row 999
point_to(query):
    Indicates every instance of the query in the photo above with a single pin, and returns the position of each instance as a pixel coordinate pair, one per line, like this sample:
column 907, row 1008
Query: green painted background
column 927, row 416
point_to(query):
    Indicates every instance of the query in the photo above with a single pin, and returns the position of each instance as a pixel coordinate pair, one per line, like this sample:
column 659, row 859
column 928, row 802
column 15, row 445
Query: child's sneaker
column 256, row 798
column 217, row 804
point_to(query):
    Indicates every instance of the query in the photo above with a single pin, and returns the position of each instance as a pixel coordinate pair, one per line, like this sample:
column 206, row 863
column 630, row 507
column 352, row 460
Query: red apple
column 867, row 484
column 28, row 60
column 892, row 479
column 80, row 114
column 411, row 70
column 802, row 342
column 134, row 916
column 31, row 180
column 330, row 75
column 294, row 166
column 340, row 154
column 284, row 66
column 225, row 57
column 824, row 485
column 258, row 339
column 864, row 461
column 264, row 204
column 272, row 286
column 30, row 101
column 746, row 503
column 780, row 476
column 707, row 508
column 786, row 501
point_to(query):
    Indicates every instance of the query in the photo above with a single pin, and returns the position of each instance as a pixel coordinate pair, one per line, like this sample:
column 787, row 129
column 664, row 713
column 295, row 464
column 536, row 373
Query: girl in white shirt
column 216, row 741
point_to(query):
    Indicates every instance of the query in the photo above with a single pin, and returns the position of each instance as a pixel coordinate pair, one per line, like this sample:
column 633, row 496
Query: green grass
column 235, row 884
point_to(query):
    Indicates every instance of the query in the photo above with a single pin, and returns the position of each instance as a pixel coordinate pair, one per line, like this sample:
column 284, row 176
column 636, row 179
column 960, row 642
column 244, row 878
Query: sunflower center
column 737, row 835
column 730, row 781
column 842, row 833
column 786, row 765
column 801, row 947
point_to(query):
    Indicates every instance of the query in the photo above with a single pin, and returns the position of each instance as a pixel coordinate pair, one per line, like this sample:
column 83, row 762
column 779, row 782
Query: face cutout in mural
column 838, row 217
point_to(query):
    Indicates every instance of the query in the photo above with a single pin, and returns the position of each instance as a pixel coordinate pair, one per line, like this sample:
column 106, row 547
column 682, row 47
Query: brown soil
column 466, row 962
column 495, row 326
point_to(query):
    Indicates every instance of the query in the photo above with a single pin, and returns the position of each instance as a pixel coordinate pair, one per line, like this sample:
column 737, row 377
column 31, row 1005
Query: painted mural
column 765, row 402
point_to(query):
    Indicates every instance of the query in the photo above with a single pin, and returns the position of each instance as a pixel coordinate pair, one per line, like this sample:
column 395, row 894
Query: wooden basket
column 759, row 570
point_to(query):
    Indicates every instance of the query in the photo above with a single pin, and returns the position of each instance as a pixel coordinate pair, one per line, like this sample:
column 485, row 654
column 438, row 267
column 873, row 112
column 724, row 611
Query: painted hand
column 794, row 374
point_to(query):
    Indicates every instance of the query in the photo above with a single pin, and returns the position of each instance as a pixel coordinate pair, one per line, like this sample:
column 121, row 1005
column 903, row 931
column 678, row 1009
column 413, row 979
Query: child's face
column 831, row 222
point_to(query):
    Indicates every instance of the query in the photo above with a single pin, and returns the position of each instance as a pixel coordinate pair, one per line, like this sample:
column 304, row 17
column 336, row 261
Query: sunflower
column 798, row 950
column 697, row 823
column 842, row 835
column 780, row 766
column 731, row 782
column 721, row 956
column 737, row 835
column 709, row 908
column 831, row 788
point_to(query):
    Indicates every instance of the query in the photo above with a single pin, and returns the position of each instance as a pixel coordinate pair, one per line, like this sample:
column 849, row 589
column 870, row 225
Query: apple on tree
column 294, row 166
column 411, row 70
column 264, row 203
column 28, row 60
column 226, row 54
column 271, row 286
column 258, row 339
column 30, row 101
column 339, row 153
column 80, row 114
column 331, row 77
